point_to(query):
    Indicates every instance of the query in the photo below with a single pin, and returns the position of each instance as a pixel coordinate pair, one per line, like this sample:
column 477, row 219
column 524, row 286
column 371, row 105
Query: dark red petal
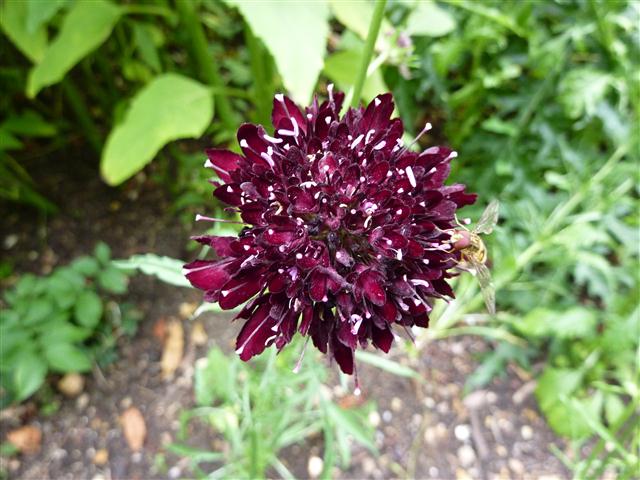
column 228, row 193
column 255, row 333
column 284, row 110
column 382, row 338
column 223, row 162
column 307, row 317
column 236, row 292
column 318, row 287
column 371, row 285
column 207, row 275
column 220, row 245
column 301, row 200
column 342, row 354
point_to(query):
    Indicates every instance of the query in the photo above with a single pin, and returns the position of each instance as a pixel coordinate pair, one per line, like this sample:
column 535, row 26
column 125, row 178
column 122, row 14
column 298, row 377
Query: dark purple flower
column 347, row 229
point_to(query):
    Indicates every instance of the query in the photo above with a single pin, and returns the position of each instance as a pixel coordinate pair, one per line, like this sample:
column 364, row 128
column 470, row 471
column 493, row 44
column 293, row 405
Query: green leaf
column 84, row 28
column 13, row 19
column 102, row 252
column 169, row 270
column 65, row 332
column 581, row 90
column 39, row 13
column 86, row 266
column 355, row 15
column 554, row 382
column 430, row 20
column 30, row 124
column 168, row 108
column 38, row 311
column 113, row 280
column 88, row 309
column 350, row 422
column 143, row 36
column 295, row 33
column 64, row 357
column 341, row 67
column 29, row 373
column 385, row 364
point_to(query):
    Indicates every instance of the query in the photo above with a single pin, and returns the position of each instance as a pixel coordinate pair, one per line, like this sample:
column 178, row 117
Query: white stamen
column 244, row 144
column 380, row 145
column 412, row 178
column 279, row 97
column 368, row 136
column 327, row 119
column 418, row 281
column 271, row 139
column 229, row 189
column 353, row 211
column 208, row 164
column 358, row 139
column 298, row 256
column 376, row 101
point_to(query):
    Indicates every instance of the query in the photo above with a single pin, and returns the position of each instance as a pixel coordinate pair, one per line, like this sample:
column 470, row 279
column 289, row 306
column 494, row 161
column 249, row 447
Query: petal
column 229, row 194
column 220, row 245
column 207, row 275
column 382, row 338
column 223, row 162
column 284, row 109
column 342, row 354
column 370, row 284
column 307, row 317
column 255, row 333
column 236, row 292
column 301, row 200
column 253, row 145
column 318, row 287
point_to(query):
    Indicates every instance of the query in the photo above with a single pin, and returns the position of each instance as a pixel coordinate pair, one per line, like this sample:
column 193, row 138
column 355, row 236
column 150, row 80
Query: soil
column 426, row 429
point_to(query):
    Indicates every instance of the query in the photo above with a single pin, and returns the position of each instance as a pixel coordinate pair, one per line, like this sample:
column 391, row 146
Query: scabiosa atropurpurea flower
column 347, row 230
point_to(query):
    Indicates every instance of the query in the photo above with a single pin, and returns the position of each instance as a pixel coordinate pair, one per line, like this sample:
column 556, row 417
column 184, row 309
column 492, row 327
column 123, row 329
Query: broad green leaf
column 167, row 269
column 295, row 33
column 341, row 67
column 430, row 20
column 168, row 108
column 84, row 28
column 143, row 36
column 102, row 252
column 39, row 311
column 112, row 280
column 29, row 373
column 385, row 364
column 13, row 19
column 64, row 357
column 39, row 12
column 556, row 381
column 85, row 265
column 65, row 332
column 88, row 309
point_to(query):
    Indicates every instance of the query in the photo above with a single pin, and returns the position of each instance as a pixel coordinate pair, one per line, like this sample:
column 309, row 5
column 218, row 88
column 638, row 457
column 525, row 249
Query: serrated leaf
column 168, row 108
column 295, row 33
column 88, row 309
column 581, row 90
column 13, row 19
column 167, row 269
column 64, row 357
column 83, row 29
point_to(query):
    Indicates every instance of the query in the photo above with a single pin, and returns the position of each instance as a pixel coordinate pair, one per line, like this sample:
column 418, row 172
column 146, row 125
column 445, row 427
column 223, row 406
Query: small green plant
column 263, row 407
column 60, row 323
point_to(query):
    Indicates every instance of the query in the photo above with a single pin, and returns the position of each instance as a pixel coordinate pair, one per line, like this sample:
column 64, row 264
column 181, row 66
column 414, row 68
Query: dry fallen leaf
column 198, row 335
column 26, row 439
column 134, row 428
column 173, row 348
column 71, row 385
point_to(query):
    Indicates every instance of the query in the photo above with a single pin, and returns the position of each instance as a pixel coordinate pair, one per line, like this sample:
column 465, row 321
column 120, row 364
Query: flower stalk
column 372, row 36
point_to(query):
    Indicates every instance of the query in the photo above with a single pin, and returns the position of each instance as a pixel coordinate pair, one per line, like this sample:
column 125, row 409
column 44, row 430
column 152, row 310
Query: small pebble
column 82, row 401
column 396, row 404
column 501, row 450
column 429, row 402
column 387, row 416
column 462, row 432
column 101, row 457
column 516, row 466
column 374, row 419
column 527, row 432
column 466, row 455
column 174, row 472
column 315, row 466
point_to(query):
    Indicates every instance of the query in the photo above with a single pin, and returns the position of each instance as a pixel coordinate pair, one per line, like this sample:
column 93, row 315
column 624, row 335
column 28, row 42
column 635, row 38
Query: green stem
column 206, row 66
column 372, row 36
column 77, row 104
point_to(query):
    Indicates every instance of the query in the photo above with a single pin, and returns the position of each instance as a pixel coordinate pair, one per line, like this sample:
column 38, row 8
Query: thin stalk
column 77, row 104
column 208, row 70
column 372, row 36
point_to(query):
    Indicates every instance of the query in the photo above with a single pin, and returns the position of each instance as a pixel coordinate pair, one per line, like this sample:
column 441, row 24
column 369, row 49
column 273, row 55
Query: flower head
column 348, row 231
